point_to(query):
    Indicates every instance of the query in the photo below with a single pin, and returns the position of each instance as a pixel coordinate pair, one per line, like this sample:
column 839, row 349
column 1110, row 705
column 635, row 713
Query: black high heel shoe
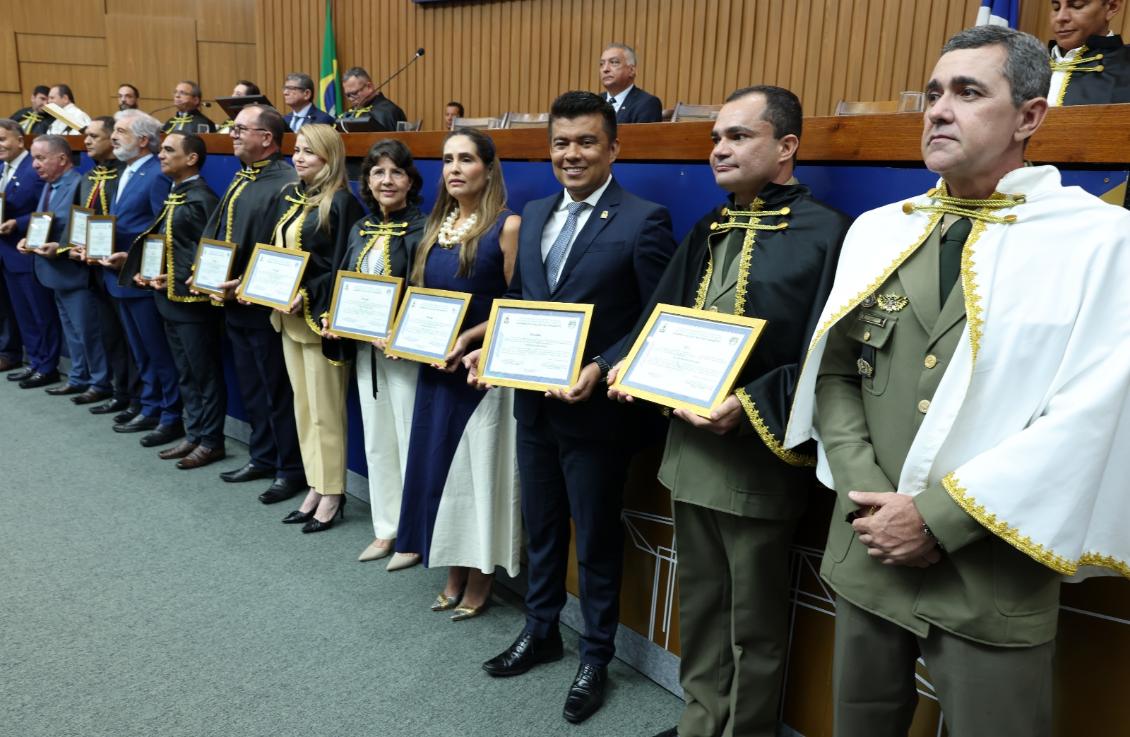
column 297, row 517
column 317, row 525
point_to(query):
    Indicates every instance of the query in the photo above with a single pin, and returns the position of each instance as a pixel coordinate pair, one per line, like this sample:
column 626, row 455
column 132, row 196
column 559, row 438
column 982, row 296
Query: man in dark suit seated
column 1090, row 65
column 367, row 103
column 32, row 119
column 32, row 304
column 298, row 94
column 596, row 244
column 187, row 97
column 69, row 280
column 618, row 75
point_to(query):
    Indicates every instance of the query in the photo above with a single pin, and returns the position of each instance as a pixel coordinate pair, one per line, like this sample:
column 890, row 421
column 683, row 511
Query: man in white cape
column 967, row 385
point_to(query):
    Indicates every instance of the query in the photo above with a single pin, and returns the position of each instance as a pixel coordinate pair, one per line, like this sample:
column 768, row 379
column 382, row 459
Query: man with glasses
column 245, row 217
column 298, row 94
column 367, row 103
column 186, row 98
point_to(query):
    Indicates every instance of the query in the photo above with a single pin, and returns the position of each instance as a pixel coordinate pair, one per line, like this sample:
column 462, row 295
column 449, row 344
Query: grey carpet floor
column 136, row 599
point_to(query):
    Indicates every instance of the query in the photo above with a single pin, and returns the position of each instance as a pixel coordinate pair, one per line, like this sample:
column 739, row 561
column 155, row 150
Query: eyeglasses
column 238, row 130
column 292, row 88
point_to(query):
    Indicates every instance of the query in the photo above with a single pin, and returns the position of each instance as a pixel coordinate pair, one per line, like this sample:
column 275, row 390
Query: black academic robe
column 32, row 123
column 383, row 112
column 192, row 204
column 1111, row 85
column 107, row 174
column 187, row 122
column 245, row 216
column 326, row 245
column 787, row 282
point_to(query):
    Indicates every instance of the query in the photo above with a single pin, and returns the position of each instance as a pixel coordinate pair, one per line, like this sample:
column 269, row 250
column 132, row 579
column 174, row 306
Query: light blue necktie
column 556, row 256
column 296, row 122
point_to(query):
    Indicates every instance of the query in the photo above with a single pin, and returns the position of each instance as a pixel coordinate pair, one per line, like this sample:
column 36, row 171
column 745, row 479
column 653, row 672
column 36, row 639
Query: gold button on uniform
column 867, row 335
column 931, row 361
column 713, row 308
column 923, row 406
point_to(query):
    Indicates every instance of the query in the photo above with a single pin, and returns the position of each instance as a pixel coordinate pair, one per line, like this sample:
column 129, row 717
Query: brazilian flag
column 329, row 84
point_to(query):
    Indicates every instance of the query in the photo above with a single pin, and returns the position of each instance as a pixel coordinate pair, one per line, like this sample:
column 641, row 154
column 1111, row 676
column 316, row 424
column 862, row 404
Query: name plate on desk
column 99, row 236
column 688, row 359
column 363, row 305
column 38, row 228
column 79, row 218
column 152, row 256
column 212, row 266
column 534, row 345
column 428, row 324
column 273, row 276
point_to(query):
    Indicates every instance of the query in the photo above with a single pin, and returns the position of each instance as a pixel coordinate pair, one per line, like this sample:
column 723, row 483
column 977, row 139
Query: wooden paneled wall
column 94, row 45
column 499, row 55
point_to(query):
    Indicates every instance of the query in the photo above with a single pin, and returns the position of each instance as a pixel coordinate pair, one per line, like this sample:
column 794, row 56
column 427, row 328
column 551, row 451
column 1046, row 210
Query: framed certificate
column 152, row 256
column 38, row 228
column 273, row 276
column 428, row 324
column 79, row 218
column 534, row 345
column 363, row 305
column 688, row 359
column 212, row 266
column 99, row 236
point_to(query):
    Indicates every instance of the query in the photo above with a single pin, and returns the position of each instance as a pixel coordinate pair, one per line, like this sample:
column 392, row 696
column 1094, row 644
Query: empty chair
column 685, row 111
column 409, row 125
column 525, row 120
column 477, row 123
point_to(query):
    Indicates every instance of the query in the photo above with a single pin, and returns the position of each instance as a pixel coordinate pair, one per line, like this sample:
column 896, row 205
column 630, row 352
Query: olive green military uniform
column 984, row 617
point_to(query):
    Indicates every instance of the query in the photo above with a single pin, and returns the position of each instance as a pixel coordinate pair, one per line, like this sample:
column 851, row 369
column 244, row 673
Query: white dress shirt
column 557, row 220
column 75, row 115
column 618, row 100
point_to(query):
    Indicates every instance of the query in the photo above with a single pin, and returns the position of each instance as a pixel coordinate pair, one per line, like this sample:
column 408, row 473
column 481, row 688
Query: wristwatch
column 603, row 366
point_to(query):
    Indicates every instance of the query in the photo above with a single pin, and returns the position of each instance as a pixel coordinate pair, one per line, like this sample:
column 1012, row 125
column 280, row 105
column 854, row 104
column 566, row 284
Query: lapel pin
column 604, row 214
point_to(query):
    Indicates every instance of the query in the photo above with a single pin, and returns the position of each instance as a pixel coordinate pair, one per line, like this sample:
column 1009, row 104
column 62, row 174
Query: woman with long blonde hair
column 460, row 507
column 316, row 215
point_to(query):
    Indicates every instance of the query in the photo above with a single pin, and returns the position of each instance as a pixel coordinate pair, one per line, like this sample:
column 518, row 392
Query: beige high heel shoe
column 400, row 561
column 375, row 551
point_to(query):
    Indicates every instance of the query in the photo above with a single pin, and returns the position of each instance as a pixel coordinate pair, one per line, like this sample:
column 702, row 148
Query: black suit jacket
column 614, row 264
column 639, row 107
column 383, row 112
column 314, row 116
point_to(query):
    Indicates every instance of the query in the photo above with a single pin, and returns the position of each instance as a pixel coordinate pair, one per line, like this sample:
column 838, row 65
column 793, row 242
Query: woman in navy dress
column 460, row 506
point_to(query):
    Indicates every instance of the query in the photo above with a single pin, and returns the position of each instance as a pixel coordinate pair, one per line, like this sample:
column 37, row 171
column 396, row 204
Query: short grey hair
column 358, row 72
column 57, row 144
column 11, row 126
column 1026, row 59
column 302, row 80
column 195, row 88
column 629, row 52
column 142, row 125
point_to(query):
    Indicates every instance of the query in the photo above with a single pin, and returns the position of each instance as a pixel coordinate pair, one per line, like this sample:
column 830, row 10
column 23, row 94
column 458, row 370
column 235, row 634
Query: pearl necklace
column 449, row 236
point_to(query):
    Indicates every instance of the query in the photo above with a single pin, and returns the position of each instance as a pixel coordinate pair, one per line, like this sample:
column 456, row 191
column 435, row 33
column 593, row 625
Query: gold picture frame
column 264, row 251
column 420, row 293
column 344, row 277
column 499, row 311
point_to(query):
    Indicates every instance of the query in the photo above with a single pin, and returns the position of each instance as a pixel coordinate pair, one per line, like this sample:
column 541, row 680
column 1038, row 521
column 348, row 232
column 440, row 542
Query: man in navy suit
column 598, row 244
column 89, row 378
column 32, row 303
column 298, row 94
column 618, row 75
column 138, row 201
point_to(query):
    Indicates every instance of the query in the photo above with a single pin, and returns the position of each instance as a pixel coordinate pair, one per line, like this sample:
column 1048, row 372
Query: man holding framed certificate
column 245, row 216
column 593, row 243
column 737, row 494
column 192, row 325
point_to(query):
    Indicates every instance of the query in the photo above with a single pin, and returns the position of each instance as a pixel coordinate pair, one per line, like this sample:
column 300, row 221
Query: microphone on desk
column 417, row 55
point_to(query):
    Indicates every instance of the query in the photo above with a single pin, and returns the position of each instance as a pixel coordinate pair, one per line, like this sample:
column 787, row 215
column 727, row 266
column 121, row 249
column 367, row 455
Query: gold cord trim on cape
column 300, row 204
column 1070, row 67
column 28, row 121
column 178, row 120
column 359, row 111
column 171, row 203
column 974, row 314
column 1023, row 543
column 771, row 442
column 754, row 224
column 100, row 175
column 239, row 182
column 378, row 231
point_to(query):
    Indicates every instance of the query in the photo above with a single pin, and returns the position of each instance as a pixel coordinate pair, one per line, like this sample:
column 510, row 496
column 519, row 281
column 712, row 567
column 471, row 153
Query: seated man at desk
column 367, row 103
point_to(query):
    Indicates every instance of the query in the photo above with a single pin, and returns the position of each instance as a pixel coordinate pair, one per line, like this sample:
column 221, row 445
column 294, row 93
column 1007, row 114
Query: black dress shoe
column 38, row 379
column 66, row 390
column 298, row 517
column 317, row 525
column 283, row 489
column 123, row 417
column 249, row 472
column 138, row 423
column 90, row 396
column 114, row 405
column 164, row 434
column 586, row 694
column 526, row 652
column 21, row 374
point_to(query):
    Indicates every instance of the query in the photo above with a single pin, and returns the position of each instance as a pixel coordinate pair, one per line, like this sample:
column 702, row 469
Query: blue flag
column 999, row 13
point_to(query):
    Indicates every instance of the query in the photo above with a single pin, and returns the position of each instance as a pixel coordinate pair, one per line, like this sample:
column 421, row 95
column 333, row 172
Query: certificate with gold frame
column 428, row 324
column 688, row 359
column 534, row 345
column 363, row 306
column 212, row 266
column 99, row 237
column 39, row 228
column 79, row 218
column 273, row 276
